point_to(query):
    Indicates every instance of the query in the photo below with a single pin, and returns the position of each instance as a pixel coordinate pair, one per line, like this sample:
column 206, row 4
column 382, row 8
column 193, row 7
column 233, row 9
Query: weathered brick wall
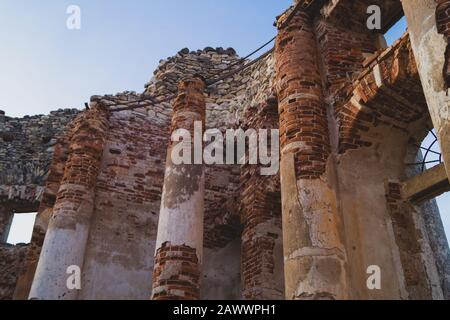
column 128, row 187
column 127, row 201
column 244, row 92
column 11, row 264
column 47, row 198
column 260, row 207
column 343, row 50
column 69, row 226
column 428, row 223
column 353, row 14
column 378, row 115
column 410, row 241
column 303, row 117
column 389, row 79
column 309, row 200
column 374, row 105
column 443, row 25
column 185, row 287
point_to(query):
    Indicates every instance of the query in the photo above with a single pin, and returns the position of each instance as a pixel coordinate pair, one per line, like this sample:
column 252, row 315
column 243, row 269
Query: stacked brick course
column 184, row 282
column 409, row 239
column 311, row 233
column 389, row 78
column 303, row 119
column 261, row 217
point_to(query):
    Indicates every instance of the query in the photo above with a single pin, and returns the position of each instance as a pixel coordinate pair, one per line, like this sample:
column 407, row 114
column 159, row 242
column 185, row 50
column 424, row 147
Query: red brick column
column 313, row 253
column 68, row 229
column 262, row 247
column 179, row 244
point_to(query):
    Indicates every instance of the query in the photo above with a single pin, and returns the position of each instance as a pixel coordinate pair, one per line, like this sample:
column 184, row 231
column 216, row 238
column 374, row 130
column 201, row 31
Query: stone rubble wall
column 27, row 144
column 11, row 263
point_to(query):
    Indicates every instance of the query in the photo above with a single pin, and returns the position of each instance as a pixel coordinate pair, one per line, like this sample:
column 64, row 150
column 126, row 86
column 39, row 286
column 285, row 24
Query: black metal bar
column 434, row 135
column 242, row 60
column 232, row 73
column 420, row 163
column 423, row 148
column 426, row 154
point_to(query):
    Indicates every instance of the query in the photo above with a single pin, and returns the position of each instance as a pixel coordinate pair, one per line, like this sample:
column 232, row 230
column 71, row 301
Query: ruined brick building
column 352, row 114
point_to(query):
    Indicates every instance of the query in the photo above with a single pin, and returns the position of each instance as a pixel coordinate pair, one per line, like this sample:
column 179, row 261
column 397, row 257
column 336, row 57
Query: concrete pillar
column 314, row 256
column 68, row 229
column 179, row 243
column 430, row 47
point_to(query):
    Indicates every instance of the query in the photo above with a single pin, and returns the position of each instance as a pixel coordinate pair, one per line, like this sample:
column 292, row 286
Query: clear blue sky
column 44, row 66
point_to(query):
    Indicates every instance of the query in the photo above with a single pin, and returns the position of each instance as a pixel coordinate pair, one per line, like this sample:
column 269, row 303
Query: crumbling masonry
column 351, row 113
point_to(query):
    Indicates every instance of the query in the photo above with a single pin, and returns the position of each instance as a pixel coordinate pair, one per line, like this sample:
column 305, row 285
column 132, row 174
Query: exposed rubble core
column 351, row 114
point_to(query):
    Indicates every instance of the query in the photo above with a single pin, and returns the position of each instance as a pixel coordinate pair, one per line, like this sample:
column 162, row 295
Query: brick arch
column 384, row 114
column 387, row 92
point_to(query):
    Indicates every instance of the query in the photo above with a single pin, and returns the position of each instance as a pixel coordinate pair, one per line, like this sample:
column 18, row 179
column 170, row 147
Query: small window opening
column 396, row 31
column 431, row 152
column 21, row 229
